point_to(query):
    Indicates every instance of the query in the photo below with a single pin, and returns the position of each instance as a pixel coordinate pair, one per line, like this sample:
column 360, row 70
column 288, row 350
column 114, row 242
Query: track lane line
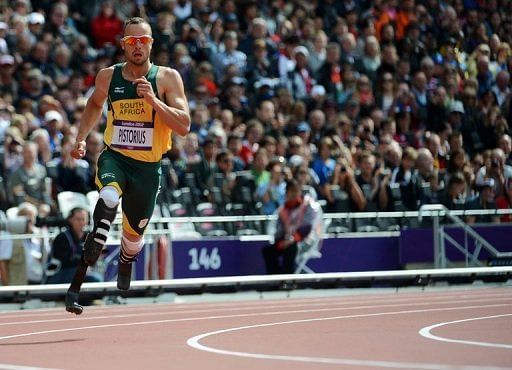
column 426, row 332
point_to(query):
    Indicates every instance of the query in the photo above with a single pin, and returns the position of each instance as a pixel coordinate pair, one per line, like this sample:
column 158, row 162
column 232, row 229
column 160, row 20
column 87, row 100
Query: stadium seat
column 67, row 200
column 208, row 228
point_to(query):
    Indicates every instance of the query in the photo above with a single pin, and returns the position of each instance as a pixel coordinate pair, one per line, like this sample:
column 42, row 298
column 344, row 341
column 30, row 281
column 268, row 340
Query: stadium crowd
column 370, row 105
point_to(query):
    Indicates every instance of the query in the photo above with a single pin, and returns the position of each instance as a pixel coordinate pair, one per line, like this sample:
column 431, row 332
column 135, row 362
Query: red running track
column 432, row 329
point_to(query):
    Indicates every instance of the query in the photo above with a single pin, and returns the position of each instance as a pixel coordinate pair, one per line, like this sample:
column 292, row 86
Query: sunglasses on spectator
column 132, row 40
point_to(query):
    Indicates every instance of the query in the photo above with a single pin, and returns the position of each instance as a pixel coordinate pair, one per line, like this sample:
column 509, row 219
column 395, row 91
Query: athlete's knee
column 131, row 245
column 103, row 217
column 110, row 196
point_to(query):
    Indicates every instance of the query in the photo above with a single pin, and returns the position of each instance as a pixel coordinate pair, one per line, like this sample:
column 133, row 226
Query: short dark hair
column 134, row 20
column 292, row 184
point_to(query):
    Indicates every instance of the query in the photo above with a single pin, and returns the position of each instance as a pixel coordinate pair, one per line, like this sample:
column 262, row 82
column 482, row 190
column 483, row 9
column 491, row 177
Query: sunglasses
column 132, row 40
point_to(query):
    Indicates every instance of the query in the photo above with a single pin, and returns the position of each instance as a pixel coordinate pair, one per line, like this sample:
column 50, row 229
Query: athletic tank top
column 133, row 127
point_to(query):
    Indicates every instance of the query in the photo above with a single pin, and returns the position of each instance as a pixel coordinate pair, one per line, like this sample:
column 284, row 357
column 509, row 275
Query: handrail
column 423, row 212
column 437, row 210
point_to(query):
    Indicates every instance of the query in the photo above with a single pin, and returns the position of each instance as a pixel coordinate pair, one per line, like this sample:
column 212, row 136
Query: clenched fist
column 79, row 150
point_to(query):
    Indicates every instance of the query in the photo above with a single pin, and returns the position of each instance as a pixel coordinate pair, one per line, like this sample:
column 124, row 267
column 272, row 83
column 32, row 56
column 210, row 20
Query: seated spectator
column 324, row 166
column 94, row 146
column 304, row 176
column 485, row 200
column 5, row 258
column 259, row 171
column 495, row 168
column 505, row 201
column 36, row 250
column 67, row 248
column 234, row 145
column 344, row 177
column 295, row 229
column 224, row 162
column 455, row 192
column 71, row 174
column 27, row 183
column 13, row 151
column 402, row 176
column 426, row 178
column 106, row 27
column 206, row 167
column 368, row 179
column 272, row 193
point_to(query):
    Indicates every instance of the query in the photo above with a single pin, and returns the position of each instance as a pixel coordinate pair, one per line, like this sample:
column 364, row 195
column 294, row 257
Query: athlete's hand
column 145, row 89
column 79, row 150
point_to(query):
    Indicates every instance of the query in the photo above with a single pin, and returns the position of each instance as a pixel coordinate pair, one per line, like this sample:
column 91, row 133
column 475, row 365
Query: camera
column 16, row 225
column 495, row 163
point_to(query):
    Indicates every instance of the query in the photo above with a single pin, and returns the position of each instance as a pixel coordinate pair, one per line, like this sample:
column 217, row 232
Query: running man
column 146, row 104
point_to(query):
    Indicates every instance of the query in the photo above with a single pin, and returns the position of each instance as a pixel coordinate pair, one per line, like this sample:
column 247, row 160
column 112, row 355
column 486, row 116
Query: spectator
column 36, row 250
column 224, row 162
column 27, row 183
column 272, row 193
column 106, row 27
column 296, row 229
column 71, row 174
column 67, row 248
column 231, row 56
column 485, row 200
column 505, row 201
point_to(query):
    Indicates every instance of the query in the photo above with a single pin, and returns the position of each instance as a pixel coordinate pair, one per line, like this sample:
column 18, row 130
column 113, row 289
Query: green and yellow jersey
column 133, row 127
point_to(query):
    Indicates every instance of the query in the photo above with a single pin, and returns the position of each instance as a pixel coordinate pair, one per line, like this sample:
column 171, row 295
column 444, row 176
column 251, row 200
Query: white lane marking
column 194, row 342
column 244, row 315
column 18, row 367
column 404, row 296
column 426, row 332
column 337, row 307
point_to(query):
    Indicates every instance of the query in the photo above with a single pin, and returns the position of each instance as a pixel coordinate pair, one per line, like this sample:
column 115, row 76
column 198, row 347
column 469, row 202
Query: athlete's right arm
column 93, row 109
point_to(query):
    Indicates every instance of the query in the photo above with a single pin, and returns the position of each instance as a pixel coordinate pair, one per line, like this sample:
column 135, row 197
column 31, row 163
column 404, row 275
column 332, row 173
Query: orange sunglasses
column 132, row 40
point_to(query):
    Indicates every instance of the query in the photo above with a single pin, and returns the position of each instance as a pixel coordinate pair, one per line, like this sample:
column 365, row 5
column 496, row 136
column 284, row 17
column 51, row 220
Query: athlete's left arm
column 173, row 109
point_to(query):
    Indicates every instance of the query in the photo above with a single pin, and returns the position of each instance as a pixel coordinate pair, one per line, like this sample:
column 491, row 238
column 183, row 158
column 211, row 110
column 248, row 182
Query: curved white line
column 194, row 342
column 240, row 315
column 335, row 307
column 426, row 332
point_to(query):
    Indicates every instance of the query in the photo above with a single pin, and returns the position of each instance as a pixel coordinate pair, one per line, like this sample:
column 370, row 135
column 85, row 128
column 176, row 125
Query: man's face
column 137, row 43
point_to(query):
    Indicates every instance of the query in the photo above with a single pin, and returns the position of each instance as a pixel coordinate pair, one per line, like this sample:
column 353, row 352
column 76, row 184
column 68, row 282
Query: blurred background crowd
column 371, row 105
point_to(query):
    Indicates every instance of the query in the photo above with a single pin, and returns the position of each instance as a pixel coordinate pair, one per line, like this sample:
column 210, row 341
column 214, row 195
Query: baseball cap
column 6, row 59
column 318, row 90
column 303, row 127
column 302, row 50
column 35, row 18
column 52, row 115
column 35, row 73
column 457, row 106
column 295, row 160
column 3, row 26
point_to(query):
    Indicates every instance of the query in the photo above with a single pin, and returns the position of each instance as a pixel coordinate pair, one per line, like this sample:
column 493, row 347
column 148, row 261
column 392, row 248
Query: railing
column 441, row 236
column 161, row 225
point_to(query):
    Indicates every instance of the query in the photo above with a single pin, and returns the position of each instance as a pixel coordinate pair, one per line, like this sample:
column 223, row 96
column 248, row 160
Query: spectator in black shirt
column 67, row 248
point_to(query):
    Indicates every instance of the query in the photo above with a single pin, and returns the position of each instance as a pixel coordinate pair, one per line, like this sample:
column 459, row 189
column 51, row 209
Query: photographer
column 495, row 169
column 67, row 248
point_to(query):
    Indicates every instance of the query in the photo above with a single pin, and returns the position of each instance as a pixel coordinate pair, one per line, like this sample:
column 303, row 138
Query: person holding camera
column 497, row 169
column 67, row 248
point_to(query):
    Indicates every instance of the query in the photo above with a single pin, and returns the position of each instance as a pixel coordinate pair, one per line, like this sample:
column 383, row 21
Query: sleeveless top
column 133, row 127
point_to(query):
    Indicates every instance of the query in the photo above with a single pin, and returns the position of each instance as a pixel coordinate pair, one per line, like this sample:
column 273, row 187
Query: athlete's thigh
column 139, row 198
column 111, row 172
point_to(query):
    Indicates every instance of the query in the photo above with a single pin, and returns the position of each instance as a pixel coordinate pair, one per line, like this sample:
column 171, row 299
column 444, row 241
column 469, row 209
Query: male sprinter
column 146, row 103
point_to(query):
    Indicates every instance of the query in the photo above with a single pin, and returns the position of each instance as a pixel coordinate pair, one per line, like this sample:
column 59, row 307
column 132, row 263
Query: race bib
column 131, row 135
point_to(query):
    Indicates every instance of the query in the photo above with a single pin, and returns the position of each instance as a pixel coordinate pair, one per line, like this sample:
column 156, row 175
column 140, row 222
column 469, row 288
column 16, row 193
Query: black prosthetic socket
column 102, row 217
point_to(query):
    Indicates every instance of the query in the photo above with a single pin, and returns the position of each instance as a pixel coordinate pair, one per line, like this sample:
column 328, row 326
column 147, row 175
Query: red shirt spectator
column 106, row 26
